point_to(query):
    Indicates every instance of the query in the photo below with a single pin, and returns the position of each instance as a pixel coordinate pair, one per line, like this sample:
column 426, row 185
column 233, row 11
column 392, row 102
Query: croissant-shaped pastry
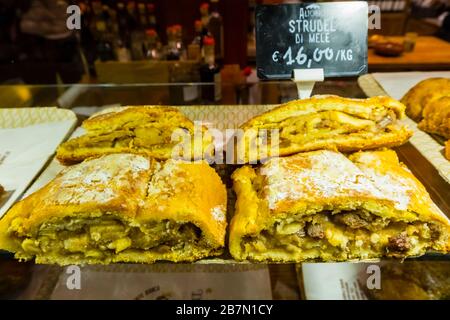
column 325, row 122
column 423, row 93
column 143, row 130
column 323, row 205
column 120, row 208
column 436, row 117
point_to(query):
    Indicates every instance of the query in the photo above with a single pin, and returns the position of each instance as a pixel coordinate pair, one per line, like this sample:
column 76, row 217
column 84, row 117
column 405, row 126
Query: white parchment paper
column 24, row 151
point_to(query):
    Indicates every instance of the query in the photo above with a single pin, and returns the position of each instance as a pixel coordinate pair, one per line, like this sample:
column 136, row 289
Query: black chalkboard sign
column 332, row 36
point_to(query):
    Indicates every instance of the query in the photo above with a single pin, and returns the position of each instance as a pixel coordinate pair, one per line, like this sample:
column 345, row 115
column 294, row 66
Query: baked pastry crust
column 331, row 122
column 436, row 117
column 323, row 205
column 145, row 130
column 120, row 208
column 423, row 93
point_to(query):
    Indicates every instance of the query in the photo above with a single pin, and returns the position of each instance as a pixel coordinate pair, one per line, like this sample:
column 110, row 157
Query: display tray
column 28, row 139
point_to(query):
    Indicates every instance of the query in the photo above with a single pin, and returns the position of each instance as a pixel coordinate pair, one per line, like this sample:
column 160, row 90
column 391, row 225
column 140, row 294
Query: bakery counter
column 93, row 216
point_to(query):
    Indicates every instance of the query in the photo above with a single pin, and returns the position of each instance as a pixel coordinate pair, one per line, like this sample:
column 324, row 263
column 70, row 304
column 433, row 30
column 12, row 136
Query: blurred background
column 169, row 42
column 143, row 41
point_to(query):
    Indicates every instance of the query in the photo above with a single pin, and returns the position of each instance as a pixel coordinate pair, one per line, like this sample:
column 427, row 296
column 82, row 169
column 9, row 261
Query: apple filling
column 344, row 235
column 131, row 138
column 326, row 124
column 101, row 240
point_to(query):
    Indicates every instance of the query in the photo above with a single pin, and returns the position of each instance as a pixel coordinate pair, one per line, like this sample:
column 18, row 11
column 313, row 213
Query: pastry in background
column 120, row 208
column 436, row 117
column 330, row 122
column 413, row 280
column 375, row 39
column 143, row 130
column 325, row 206
column 422, row 93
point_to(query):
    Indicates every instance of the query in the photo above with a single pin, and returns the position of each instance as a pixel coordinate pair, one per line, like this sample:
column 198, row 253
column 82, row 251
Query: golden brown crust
column 423, row 93
column 135, row 190
column 145, row 130
column 332, row 122
column 436, row 117
column 306, row 184
column 374, row 108
column 116, row 119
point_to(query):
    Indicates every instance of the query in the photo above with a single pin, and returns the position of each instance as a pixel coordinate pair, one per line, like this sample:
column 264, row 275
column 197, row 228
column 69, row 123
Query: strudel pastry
column 422, row 93
column 323, row 205
column 120, row 208
column 436, row 117
column 143, row 130
column 326, row 122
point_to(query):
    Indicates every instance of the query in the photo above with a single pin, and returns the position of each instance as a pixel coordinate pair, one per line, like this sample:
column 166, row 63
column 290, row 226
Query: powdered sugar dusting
column 94, row 180
column 390, row 187
column 328, row 174
column 218, row 212
column 166, row 180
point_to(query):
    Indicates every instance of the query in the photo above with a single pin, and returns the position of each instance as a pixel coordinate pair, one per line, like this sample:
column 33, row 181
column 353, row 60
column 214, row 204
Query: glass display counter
column 424, row 277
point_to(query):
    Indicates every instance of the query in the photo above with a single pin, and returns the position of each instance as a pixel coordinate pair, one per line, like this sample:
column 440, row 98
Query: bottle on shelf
column 142, row 14
column 122, row 52
column 138, row 50
column 178, row 29
column 204, row 14
column 194, row 49
column 98, row 24
column 123, row 22
column 151, row 15
column 210, row 72
column 215, row 28
column 152, row 45
column 137, row 34
column 104, row 47
column 172, row 51
column 133, row 15
column 198, row 27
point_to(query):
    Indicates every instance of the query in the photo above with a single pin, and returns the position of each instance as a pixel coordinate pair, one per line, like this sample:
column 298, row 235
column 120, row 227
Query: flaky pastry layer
column 148, row 130
column 328, row 122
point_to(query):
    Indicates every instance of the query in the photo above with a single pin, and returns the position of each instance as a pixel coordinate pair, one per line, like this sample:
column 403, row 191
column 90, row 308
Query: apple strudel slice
column 120, row 208
column 149, row 130
column 322, row 205
column 325, row 122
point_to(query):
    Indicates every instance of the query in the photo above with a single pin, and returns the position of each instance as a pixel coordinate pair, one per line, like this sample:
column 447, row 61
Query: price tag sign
column 331, row 36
